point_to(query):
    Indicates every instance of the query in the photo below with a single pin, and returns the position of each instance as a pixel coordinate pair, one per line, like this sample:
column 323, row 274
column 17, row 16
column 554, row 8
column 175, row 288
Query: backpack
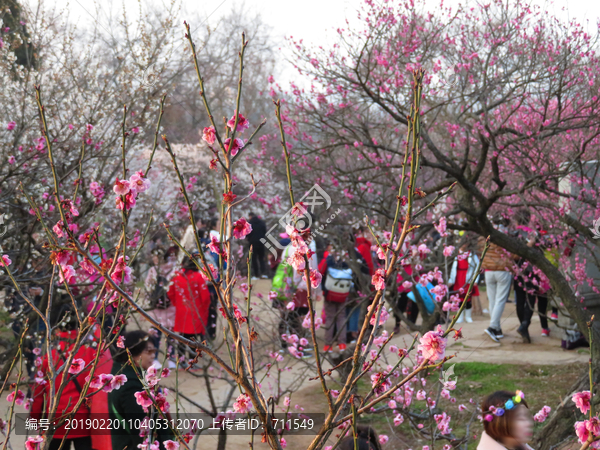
column 158, row 297
column 279, row 285
column 338, row 284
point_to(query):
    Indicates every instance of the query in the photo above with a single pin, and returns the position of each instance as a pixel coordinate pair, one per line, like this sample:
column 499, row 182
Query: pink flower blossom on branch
column 237, row 145
column 433, row 345
column 378, row 279
column 209, row 135
column 121, row 187
column 582, row 401
column 34, row 443
column 243, row 404
column 77, row 365
column 17, row 396
column 241, row 229
column 242, row 124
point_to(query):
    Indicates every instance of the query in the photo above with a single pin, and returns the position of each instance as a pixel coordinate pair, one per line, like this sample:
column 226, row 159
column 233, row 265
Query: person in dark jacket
column 259, row 231
column 122, row 403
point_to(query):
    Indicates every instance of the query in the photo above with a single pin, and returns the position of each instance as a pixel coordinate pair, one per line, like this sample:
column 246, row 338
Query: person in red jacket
column 363, row 245
column 80, row 436
column 190, row 296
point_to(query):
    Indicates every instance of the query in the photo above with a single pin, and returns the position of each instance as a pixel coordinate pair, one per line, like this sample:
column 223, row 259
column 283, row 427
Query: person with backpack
column 337, row 283
column 157, row 283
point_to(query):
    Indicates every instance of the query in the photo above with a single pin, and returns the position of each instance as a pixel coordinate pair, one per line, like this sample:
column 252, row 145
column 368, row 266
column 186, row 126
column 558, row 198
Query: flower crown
column 500, row 410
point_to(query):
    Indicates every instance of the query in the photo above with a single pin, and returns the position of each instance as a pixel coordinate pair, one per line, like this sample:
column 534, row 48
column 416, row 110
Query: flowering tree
column 105, row 260
column 509, row 110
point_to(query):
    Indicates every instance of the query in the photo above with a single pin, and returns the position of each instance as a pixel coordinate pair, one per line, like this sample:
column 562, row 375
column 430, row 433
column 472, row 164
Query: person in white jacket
column 460, row 275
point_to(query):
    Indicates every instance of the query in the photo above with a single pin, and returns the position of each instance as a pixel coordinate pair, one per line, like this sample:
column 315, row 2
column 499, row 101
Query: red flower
column 229, row 197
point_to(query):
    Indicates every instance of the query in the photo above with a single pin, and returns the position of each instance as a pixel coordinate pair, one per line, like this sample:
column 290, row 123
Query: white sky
column 314, row 21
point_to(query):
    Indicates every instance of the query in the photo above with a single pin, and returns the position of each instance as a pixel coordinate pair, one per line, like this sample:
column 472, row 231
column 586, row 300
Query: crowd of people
column 179, row 298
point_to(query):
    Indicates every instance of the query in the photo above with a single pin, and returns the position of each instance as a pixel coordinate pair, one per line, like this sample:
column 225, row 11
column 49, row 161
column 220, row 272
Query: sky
column 314, row 21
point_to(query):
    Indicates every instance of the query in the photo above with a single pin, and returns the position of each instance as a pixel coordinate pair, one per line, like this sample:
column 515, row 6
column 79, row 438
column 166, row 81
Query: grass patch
column 542, row 385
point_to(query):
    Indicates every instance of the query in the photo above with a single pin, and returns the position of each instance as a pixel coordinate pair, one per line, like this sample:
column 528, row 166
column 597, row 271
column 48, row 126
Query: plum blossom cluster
column 586, row 430
column 128, row 190
column 209, row 135
column 106, row 381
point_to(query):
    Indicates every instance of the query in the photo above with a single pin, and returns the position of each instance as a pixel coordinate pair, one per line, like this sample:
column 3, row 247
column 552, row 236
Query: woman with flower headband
column 507, row 422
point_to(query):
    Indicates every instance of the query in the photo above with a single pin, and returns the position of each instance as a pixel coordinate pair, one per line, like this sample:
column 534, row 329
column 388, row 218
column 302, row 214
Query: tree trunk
column 221, row 444
column 560, row 425
column 559, row 428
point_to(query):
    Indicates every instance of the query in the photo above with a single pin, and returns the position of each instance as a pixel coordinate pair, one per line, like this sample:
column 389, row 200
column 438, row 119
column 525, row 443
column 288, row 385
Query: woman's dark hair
column 63, row 315
column 136, row 342
column 367, row 439
column 188, row 264
column 157, row 251
column 501, row 426
column 173, row 250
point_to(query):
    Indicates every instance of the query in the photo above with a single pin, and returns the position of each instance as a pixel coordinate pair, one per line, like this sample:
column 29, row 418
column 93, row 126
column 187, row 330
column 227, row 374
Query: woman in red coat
column 81, row 436
column 190, row 296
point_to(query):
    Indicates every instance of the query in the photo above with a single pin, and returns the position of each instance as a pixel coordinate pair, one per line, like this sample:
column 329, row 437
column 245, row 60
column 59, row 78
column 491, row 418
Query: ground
column 541, row 369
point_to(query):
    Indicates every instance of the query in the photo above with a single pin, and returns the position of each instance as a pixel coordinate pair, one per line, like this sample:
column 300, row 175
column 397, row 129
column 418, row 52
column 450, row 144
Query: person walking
column 461, row 273
column 157, row 283
column 259, row 231
column 190, row 296
column 337, row 283
column 498, row 280
column 122, row 402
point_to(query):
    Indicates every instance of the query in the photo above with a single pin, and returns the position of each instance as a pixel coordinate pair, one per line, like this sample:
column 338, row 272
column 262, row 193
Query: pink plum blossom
column 242, row 124
column 77, row 365
column 121, row 187
column 243, row 404
column 241, row 229
column 17, row 396
column 34, row 443
column 237, row 145
column 171, row 445
column 582, row 401
column 143, row 399
column 378, row 279
column 433, row 345
column 209, row 136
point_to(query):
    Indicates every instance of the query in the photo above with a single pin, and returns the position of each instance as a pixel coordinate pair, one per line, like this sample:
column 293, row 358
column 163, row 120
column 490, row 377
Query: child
column 461, row 273
column 507, row 422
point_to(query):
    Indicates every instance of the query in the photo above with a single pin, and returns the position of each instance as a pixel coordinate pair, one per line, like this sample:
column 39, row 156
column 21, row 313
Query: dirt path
column 475, row 346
